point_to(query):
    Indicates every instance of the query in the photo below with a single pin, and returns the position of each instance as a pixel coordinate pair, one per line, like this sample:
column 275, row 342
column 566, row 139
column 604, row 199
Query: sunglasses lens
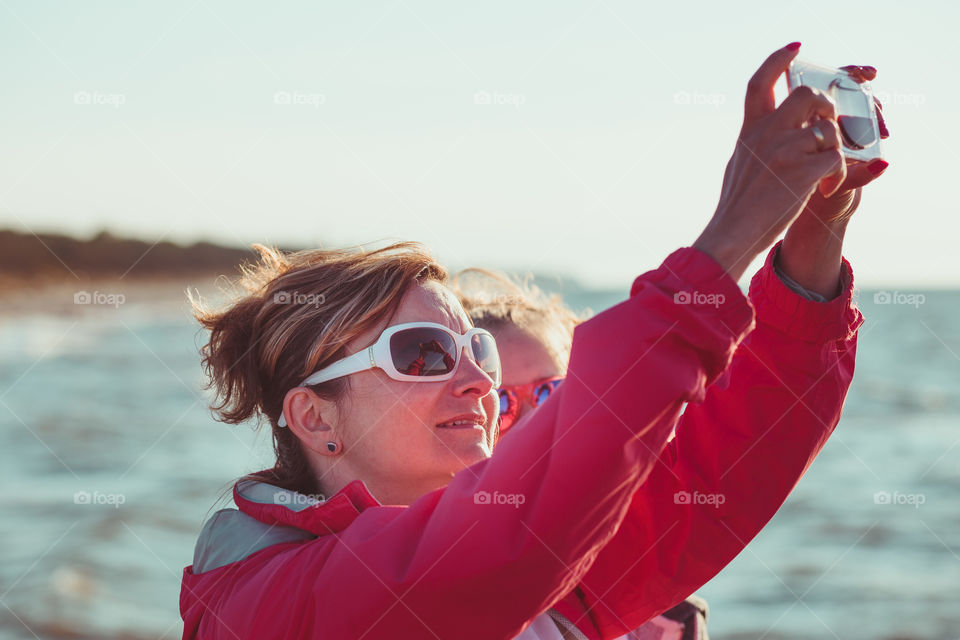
column 506, row 405
column 508, row 410
column 488, row 358
column 542, row 392
column 423, row 351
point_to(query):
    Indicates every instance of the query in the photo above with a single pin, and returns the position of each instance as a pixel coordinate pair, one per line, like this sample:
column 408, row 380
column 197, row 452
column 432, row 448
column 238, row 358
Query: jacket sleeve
column 509, row 536
column 735, row 458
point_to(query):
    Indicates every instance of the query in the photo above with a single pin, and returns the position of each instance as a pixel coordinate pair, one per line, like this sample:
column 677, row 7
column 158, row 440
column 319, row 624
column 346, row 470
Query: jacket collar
column 275, row 506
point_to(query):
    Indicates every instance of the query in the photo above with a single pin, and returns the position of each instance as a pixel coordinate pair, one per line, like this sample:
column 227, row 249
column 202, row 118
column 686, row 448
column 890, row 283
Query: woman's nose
column 469, row 377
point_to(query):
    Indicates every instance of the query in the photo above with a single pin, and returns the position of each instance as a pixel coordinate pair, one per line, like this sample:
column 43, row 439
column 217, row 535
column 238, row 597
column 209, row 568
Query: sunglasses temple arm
column 360, row 361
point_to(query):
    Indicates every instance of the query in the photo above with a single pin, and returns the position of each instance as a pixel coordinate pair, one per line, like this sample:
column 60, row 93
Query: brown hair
column 296, row 314
column 495, row 301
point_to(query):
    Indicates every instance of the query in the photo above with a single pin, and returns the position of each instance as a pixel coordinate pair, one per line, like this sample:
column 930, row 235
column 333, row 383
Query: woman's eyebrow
column 459, row 322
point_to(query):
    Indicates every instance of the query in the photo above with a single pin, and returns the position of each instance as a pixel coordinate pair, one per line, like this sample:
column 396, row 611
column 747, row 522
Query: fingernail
column 877, row 166
column 883, row 130
column 867, row 67
column 793, row 46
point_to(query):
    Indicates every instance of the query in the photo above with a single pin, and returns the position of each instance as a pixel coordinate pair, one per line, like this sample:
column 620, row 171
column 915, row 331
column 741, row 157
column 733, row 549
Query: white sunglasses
column 416, row 352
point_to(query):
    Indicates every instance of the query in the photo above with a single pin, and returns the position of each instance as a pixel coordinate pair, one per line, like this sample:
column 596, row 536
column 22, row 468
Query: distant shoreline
column 50, row 273
column 32, row 261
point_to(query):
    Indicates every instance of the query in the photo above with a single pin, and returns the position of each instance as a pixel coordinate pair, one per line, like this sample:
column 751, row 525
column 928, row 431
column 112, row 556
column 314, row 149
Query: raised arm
column 735, row 458
column 738, row 455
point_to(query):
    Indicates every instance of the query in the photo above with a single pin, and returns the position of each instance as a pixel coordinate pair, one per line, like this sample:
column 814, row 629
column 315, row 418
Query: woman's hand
column 846, row 199
column 775, row 169
column 811, row 253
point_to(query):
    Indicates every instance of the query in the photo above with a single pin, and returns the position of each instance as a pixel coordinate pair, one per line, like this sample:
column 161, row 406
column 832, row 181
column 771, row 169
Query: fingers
column 831, row 169
column 859, row 174
column 825, row 161
column 884, row 133
column 854, row 72
column 828, row 168
column 807, row 142
column 861, row 73
column 802, row 104
column 760, row 100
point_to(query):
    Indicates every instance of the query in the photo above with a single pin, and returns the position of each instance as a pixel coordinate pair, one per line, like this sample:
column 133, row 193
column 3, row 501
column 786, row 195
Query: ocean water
column 110, row 462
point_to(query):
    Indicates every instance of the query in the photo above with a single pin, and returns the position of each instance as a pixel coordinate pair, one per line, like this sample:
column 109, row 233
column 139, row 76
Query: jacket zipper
column 564, row 623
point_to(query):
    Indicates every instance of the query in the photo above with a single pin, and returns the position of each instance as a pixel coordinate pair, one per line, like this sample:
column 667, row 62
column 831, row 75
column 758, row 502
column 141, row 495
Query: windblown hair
column 495, row 301
column 295, row 314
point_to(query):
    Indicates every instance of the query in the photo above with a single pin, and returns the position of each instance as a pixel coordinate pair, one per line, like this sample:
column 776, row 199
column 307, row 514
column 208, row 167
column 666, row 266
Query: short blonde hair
column 495, row 301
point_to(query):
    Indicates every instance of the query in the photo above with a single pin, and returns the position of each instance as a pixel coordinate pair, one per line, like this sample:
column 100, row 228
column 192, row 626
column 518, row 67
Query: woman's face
column 391, row 430
column 525, row 359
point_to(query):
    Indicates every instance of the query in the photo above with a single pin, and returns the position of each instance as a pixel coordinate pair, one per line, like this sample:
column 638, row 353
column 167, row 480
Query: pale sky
column 586, row 139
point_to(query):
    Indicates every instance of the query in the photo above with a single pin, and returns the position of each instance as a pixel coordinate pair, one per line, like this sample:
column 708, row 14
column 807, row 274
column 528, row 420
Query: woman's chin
column 464, row 456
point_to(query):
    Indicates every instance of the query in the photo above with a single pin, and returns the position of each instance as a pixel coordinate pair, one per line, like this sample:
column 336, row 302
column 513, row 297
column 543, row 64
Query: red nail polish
column 877, row 166
column 793, row 46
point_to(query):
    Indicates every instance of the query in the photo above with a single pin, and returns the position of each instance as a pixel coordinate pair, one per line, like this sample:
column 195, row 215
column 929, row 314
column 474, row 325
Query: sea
column 110, row 461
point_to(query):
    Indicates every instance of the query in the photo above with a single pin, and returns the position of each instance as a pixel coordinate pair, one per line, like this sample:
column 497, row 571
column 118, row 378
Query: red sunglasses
column 513, row 397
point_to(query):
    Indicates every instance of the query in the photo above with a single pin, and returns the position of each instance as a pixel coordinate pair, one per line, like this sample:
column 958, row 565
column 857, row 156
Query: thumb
column 857, row 175
column 832, row 183
column 862, row 173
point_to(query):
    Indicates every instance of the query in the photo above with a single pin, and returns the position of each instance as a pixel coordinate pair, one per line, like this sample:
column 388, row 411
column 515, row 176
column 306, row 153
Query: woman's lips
column 466, row 421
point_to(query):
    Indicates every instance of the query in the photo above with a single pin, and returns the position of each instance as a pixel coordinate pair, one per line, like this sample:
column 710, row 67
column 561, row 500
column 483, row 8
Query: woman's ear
column 307, row 417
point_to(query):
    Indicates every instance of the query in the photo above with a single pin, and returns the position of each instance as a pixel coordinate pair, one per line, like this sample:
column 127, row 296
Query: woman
column 386, row 514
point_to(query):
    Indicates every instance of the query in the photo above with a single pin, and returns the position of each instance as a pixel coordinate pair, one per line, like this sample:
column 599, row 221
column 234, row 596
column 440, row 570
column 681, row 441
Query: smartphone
column 856, row 113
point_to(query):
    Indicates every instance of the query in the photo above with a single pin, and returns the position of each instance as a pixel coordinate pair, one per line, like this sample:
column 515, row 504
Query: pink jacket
column 585, row 513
